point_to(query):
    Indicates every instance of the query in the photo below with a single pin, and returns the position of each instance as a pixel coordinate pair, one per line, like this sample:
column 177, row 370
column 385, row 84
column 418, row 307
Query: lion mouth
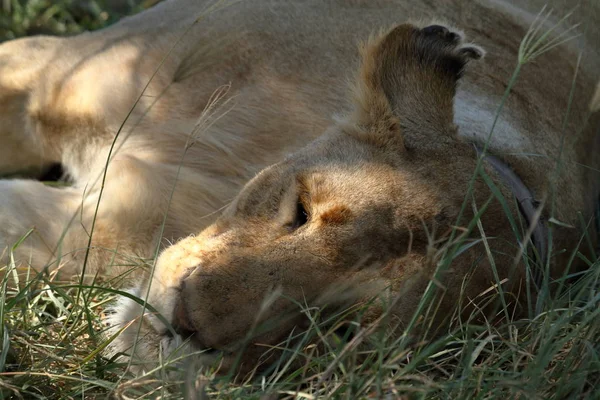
column 185, row 333
column 181, row 321
column 185, row 329
column 185, row 348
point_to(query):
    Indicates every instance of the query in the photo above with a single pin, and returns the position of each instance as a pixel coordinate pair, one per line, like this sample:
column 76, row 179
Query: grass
column 51, row 350
column 52, row 334
column 62, row 17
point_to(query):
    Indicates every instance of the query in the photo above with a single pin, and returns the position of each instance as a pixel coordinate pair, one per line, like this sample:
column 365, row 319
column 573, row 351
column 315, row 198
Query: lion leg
column 49, row 228
column 32, row 219
column 142, row 202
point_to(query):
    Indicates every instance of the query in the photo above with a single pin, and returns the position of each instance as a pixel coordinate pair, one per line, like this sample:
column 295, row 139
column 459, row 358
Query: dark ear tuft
column 407, row 81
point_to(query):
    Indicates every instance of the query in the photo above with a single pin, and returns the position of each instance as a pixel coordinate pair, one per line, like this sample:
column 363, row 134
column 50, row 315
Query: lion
column 316, row 153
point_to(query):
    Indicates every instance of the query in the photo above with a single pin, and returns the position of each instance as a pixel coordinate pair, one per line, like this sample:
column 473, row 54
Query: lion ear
column 406, row 83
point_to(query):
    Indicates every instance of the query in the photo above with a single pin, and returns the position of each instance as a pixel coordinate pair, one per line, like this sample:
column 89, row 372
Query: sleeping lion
column 237, row 163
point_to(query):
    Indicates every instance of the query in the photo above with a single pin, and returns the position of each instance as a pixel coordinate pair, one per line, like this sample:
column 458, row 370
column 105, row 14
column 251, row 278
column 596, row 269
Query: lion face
column 353, row 215
column 312, row 229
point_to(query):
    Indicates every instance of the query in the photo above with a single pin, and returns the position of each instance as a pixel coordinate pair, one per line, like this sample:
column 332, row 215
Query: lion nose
column 181, row 319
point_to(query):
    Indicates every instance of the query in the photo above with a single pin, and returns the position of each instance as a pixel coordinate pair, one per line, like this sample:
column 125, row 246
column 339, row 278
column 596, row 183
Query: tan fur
column 225, row 93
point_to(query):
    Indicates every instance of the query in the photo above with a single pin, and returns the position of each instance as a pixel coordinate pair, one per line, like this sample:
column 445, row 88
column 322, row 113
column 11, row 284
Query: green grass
column 52, row 334
column 50, row 349
column 62, row 17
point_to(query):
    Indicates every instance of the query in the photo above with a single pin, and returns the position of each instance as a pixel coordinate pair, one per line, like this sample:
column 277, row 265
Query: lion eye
column 301, row 216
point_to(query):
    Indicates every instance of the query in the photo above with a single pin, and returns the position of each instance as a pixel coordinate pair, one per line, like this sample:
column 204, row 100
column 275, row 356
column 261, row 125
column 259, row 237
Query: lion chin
column 142, row 341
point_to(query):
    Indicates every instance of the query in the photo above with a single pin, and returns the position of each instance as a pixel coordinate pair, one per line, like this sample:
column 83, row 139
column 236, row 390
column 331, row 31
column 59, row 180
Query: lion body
column 191, row 103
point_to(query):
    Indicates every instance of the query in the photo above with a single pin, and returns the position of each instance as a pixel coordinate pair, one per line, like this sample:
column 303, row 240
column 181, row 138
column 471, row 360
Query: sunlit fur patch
column 336, row 215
